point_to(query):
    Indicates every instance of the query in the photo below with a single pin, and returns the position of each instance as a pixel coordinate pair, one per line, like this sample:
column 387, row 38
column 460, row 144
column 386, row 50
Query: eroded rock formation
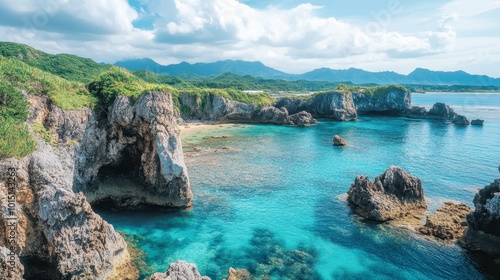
column 180, row 270
column 484, row 223
column 448, row 222
column 394, row 194
column 339, row 141
column 394, row 102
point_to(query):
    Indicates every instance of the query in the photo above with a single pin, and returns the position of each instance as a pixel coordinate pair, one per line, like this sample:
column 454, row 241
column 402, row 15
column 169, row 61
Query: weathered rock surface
column 484, row 223
column 477, row 122
column 392, row 195
column 460, row 120
column 394, row 102
column 140, row 146
column 334, row 105
column 339, row 141
column 302, row 118
column 180, row 270
column 448, row 222
column 238, row 274
column 273, row 115
column 441, row 111
column 10, row 266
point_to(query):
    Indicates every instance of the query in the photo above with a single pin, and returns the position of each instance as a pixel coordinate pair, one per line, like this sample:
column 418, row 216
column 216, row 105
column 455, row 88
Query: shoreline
column 194, row 127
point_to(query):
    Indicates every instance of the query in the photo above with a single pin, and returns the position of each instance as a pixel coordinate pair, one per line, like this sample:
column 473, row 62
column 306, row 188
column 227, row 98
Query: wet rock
column 220, row 137
column 339, row 141
column 484, row 223
column 460, row 120
column 394, row 194
column 477, row 122
column 448, row 222
column 180, row 270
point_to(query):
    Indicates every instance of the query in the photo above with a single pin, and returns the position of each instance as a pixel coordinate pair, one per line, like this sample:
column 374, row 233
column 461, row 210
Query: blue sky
column 290, row 35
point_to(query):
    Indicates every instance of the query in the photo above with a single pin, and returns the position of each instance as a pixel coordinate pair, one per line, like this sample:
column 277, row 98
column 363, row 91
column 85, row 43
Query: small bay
column 274, row 202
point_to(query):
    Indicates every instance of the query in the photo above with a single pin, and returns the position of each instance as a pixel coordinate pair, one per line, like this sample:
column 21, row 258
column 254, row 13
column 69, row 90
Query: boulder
column 460, row 120
column 441, row 111
column 484, row 223
column 448, row 222
column 238, row 274
column 477, row 122
column 393, row 195
column 339, row 141
column 302, row 118
column 180, row 270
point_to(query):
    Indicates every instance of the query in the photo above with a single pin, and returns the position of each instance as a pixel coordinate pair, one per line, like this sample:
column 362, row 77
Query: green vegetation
column 69, row 67
column 372, row 91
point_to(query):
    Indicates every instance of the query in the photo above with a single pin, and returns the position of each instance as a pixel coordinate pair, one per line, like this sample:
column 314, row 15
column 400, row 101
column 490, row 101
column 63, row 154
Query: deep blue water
column 276, row 206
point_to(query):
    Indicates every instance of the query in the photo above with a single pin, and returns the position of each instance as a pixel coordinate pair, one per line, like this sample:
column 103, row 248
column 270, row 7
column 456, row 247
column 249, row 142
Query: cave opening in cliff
column 37, row 268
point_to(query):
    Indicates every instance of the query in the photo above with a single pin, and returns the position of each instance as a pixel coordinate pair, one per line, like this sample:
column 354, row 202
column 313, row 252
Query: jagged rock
column 448, row 222
column 460, row 120
column 302, row 118
column 441, row 111
column 180, row 270
column 477, row 122
column 238, row 274
column 393, row 195
column 10, row 266
column 339, row 141
column 140, row 146
column 272, row 115
column 484, row 223
column 416, row 112
column 396, row 101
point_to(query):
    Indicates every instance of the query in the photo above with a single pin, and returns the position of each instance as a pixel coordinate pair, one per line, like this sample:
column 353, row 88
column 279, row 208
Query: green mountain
column 67, row 66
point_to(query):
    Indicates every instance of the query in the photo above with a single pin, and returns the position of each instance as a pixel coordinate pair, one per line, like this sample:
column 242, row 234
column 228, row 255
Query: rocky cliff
column 46, row 219
column 484, row 223
column 439, row 111
column 335, row 105
column 394, row 194
column 216, row 108
column 395, row 101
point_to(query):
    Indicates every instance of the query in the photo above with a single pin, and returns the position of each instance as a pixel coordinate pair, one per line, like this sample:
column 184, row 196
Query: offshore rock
column 441, row 111
column 448, row 222
column 180, row 270
column 460, row 120
column 477, row 122
column 393, row 195
column 484, row 223
column 395, row 101
column 302, row 118
column 339, row 141
column 136, row 157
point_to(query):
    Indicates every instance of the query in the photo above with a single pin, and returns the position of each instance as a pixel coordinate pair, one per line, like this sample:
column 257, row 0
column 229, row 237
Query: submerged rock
column 484, row 223
column 180, row 270
column 460, row 120
column 339, row 141
column 394, row 194
column 477, row 122
column 448, row 222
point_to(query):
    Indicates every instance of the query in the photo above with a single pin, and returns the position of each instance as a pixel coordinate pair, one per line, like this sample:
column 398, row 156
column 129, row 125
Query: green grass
column 15, row 139
column 374, row 91
column 67, row 66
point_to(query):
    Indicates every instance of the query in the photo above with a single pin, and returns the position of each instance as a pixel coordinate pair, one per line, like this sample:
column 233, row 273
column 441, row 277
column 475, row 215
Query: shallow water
column 275, row 206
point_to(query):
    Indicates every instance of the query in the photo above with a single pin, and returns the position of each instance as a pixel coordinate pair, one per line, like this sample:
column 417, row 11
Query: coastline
column 194, row 127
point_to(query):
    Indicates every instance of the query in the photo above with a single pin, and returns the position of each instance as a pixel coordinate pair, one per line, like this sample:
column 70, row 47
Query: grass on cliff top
column 374, row 92
column 67, row 66
column 65, row 94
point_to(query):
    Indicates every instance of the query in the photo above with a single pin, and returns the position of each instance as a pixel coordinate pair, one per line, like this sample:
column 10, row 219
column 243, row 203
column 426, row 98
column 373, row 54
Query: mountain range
column 358, row 76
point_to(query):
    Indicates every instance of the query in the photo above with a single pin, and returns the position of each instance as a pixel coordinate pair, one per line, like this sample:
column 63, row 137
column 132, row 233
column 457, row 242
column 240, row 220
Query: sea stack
column 339, row 141
column 393, row 195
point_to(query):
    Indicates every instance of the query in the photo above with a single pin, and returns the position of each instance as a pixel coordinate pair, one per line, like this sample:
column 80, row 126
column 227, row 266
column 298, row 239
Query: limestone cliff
column 335, row 105
column 49, row 224
column 484, row 223
column 395, row 101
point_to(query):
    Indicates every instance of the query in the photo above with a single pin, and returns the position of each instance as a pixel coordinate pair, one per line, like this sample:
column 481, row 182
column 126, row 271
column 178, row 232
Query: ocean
column 275, row 203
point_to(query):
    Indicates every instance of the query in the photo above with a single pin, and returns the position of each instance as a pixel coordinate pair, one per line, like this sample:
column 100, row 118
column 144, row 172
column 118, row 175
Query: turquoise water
column 277, row 205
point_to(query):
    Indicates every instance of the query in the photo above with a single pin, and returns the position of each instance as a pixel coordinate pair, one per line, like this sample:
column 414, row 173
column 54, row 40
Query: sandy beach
column 189, row 128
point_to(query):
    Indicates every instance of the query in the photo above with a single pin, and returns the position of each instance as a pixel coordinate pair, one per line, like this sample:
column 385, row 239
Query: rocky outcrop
column 180, row 270
column 56, row 233
column 395, row 101
column 339, row 141
column 484, row 223
column 216, row 108
column 394, row 194
column 135, row 157
column 448, row 222
column 10, row 266
column 439, row 111
column 335, row 105
column 477, row 122
column 460, row 120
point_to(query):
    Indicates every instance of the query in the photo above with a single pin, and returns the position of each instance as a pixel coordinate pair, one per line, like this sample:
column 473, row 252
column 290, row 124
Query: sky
column 293, row 36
